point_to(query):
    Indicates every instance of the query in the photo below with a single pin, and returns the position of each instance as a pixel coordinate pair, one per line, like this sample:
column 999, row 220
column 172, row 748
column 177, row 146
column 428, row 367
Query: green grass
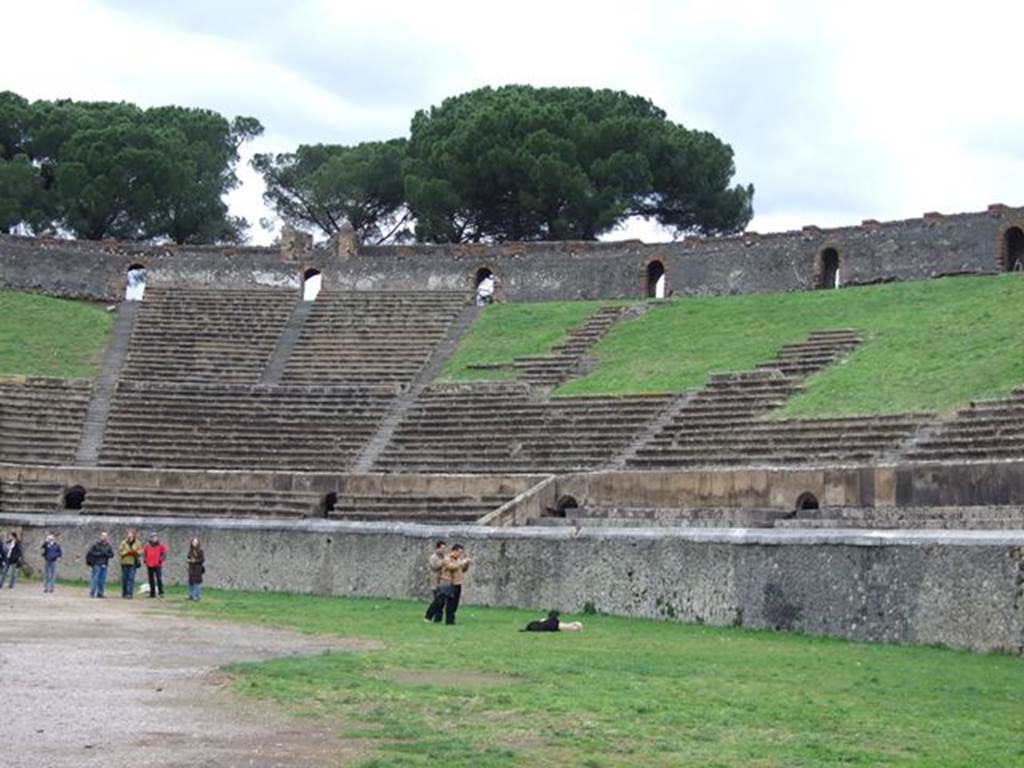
column 506, row 331
column 629, row 692
column 41, row 336
column 930, row 345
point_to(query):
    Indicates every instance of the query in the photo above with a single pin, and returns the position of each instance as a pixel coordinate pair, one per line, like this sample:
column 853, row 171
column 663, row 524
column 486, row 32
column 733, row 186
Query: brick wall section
column 919, row 248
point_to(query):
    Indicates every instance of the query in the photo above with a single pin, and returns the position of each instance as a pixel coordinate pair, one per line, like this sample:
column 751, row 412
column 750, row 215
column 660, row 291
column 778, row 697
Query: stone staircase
column 563, row 360
column 371, row 337
column 414, row 508
column 241, row 427
column 944, row 518
column 986, row 430
column 193, row 335
column 507, row 427
column 724, row 425
column 41, row 419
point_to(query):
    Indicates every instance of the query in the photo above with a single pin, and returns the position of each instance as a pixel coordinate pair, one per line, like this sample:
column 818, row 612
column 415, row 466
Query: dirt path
column 114, row 683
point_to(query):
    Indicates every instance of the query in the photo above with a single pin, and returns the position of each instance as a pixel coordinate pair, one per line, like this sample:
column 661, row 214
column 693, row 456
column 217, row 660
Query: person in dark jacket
column 196, row 568
column 11, row 558
column 96, row 558
column 51, row 554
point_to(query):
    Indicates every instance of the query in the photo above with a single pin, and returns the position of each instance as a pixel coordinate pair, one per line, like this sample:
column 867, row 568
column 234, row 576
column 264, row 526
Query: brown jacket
column 436, row 564
column 454, row 570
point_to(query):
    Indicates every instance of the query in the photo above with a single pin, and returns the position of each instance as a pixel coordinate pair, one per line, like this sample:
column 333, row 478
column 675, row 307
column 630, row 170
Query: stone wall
column 962, row 590
column 969, row 243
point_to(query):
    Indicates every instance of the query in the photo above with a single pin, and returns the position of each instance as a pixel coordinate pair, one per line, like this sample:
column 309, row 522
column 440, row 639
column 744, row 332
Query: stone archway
column 1013, row 250
column 828, row 269
column 657, row 279
column 312, row 281
column 74, row 497
column 135, row 282
column 484, row 286
column 806, row 501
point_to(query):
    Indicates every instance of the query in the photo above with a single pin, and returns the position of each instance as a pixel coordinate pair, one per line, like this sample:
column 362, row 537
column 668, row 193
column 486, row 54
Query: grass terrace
column 627, row 692
column 42, row 336
column 929, row 345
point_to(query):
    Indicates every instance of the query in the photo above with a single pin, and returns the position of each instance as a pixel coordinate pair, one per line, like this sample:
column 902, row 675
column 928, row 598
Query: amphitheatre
column 353, row 403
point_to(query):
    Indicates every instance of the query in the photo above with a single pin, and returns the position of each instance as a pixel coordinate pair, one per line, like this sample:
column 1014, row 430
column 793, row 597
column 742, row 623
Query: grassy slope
column 928, row 345
column 628, row 693
column 505, row 331
column 41, row 336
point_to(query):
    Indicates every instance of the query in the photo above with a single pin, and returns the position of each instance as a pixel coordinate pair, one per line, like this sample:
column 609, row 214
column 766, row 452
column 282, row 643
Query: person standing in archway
column 154, row 553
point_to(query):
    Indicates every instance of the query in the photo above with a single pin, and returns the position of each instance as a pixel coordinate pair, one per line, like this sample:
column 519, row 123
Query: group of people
column 447, row 571
column 131, row 554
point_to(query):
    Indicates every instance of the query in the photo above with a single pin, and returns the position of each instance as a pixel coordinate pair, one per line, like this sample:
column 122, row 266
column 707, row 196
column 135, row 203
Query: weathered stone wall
column 970, row 243
column 963, row 589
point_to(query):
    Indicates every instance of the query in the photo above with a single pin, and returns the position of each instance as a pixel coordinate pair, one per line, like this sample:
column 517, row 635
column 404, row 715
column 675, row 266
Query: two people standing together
column 447, row 571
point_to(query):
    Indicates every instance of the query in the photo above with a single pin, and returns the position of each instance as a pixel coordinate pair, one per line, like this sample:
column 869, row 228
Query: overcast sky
column 836, row 114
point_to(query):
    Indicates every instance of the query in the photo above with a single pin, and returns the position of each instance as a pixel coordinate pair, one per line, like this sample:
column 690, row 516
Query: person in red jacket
column 154, row 555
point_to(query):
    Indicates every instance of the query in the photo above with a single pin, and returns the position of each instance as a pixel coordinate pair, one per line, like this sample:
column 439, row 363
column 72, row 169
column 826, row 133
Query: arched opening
column 828, row 268
column 328, row 503
column 312, row 280
column 1013, row 250
column 563, row 505
column 74, row 497
column 483, row 284
column 656, row 280
column 135, row 283
column 806, row 501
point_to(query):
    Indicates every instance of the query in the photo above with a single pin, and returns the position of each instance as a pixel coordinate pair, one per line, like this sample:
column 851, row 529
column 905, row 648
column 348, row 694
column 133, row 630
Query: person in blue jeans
column 51, row 554
column 11, row 559
column 96, row 558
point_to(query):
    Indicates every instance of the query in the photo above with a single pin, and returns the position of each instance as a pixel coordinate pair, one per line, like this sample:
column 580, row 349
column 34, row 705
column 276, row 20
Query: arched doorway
column 828, row 268
column 564, row 505
column 312, row 281
column 483, row 285
column 135, row 283
column 74, row 497
column 806, row 501
column 328, row 503
column 656, row 280
column 1013, row 250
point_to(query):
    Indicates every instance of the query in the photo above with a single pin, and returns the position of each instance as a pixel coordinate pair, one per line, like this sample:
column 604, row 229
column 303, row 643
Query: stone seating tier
column 29, row 498
column 420, row 509
column 41, row 419
column 498, row 428
column 231, row 427
column 362, row 337
column 986, row 430
column 562, row 360
column 206, row 335
column 944, row 518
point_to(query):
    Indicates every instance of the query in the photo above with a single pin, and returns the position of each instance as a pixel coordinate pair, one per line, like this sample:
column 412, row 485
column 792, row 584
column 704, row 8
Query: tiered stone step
column 195, row 502
column 987, row 430
column 723, row 424
column 504, row 428
column 643, row 517
column 364, row 337
column 561, row 362
column 29, row 498
column 237, row 427
column 798, row 441
column 41, row 419
column 420, row 509
column 206, row 335
column 947, row 518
